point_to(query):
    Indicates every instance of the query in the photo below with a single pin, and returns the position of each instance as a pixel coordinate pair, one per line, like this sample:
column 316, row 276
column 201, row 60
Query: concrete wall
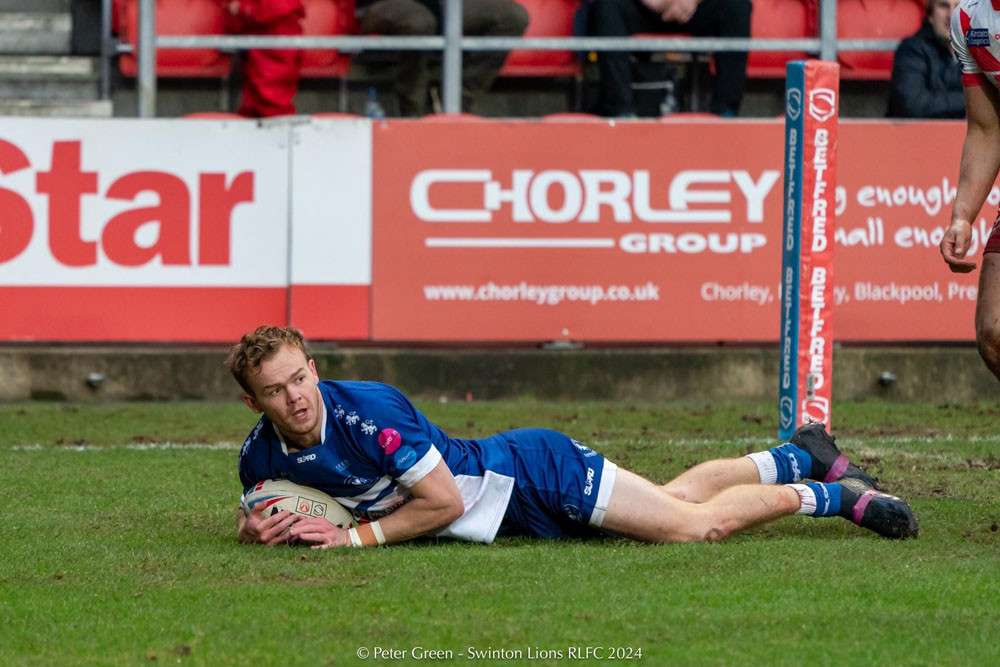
column 178, row 373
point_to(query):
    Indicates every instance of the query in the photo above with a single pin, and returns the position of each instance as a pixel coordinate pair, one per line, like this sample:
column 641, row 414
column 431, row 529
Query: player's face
column 286, row 390
column 940, row 18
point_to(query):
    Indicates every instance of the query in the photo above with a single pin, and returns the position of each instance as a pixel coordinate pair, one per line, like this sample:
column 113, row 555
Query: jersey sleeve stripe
column 421, row 468
column 972, row 80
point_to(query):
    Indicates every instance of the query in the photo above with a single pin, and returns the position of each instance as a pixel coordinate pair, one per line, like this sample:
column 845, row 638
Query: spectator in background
column 270, row 76
column 481, row 18
column 926, row 77
column 702, row 18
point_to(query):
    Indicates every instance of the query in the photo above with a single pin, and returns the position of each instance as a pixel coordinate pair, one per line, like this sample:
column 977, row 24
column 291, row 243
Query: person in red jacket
column 270, row 76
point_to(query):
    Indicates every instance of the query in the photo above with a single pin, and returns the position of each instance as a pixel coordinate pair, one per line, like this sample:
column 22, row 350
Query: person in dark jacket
column 480, row 18
column 926, row 78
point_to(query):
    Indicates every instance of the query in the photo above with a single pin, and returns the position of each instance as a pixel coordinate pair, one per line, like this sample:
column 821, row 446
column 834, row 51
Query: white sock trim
column 806, row 497
column 766, row 467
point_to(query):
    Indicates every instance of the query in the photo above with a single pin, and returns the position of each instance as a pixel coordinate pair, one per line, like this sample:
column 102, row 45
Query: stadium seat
column 779, row 19
column 176, row 17
column 874, row 19
column 548, row 18
column 327, row 18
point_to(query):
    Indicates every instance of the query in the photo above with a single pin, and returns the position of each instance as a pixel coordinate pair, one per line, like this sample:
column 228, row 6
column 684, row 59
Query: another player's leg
column 988, row 309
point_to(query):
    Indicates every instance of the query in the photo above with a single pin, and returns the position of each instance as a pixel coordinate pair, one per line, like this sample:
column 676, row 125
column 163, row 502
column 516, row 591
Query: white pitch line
column 132, row 446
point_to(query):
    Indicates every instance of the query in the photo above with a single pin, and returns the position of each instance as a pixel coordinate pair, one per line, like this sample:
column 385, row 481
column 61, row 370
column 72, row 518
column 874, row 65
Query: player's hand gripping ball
column 279, row 494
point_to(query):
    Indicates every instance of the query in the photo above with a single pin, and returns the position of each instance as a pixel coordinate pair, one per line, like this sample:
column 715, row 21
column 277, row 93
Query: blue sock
column 793, row 464
column 819, row 499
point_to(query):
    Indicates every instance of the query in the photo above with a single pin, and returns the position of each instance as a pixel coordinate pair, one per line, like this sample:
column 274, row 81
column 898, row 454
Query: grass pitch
column 119, row 548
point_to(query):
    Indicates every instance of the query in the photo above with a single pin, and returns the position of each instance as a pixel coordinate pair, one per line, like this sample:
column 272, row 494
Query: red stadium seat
column 177, row 17
column 327, row 18
column 778, row 19
column 874, row 19
column 548, row 18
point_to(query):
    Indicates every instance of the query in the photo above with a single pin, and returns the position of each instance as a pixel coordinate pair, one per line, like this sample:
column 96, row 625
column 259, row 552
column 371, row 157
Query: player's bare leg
column 811, row 452
column 988, row 312
column 641, row 510
column 708, row 479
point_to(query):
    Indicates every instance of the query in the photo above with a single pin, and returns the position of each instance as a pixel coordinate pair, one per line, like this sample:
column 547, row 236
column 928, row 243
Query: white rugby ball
column 280, row 494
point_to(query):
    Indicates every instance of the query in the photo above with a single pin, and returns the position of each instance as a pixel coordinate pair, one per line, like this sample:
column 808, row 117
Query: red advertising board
column 600, row 232
column 896, row 188
column 454, row 231
column 506, row 231
column 175, row 230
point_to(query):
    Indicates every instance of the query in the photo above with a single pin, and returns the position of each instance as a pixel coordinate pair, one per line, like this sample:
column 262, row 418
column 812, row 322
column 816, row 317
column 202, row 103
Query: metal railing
column 452, row 43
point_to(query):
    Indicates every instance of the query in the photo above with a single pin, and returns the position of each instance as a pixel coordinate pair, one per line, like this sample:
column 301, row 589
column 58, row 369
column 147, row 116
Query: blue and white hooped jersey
column 375, row 446
column 975, row 37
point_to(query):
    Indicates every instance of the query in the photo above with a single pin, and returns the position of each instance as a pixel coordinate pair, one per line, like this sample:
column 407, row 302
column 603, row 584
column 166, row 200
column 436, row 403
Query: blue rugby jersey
column 368, row 468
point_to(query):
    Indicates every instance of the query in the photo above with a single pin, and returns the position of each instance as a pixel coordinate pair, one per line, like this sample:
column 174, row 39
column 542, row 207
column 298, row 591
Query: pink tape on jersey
column 389, row 440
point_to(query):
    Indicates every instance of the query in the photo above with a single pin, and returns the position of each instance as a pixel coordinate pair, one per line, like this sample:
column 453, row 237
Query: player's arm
column 255, row 528
column 436, row 502
column 978, row 171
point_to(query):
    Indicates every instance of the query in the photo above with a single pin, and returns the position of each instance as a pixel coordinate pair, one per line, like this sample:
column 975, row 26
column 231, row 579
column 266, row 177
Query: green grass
column 115, row 551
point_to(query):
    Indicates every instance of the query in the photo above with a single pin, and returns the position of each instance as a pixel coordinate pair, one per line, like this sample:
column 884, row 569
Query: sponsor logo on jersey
column 573, row 513
column 307, row 457
column 339, row 411
column 352, row 418
column 589, row 486
column 977, row 37
column 250, row 438
column 368, row 427
column 358, row 481
column 405, row 457
column 389, row 440
column 587, row 451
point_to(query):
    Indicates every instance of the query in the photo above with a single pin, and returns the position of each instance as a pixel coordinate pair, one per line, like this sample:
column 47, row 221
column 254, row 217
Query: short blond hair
column 257, row 347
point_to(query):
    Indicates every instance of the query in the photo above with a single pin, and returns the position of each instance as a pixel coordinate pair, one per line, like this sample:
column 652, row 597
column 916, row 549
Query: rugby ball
column 280, row 494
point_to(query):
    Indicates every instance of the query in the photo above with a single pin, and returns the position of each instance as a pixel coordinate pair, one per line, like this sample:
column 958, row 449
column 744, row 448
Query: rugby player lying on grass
column 367, row 446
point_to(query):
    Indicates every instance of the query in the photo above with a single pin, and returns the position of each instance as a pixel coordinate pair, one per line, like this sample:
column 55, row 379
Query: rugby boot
column 879, row 512
column 828, row 463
